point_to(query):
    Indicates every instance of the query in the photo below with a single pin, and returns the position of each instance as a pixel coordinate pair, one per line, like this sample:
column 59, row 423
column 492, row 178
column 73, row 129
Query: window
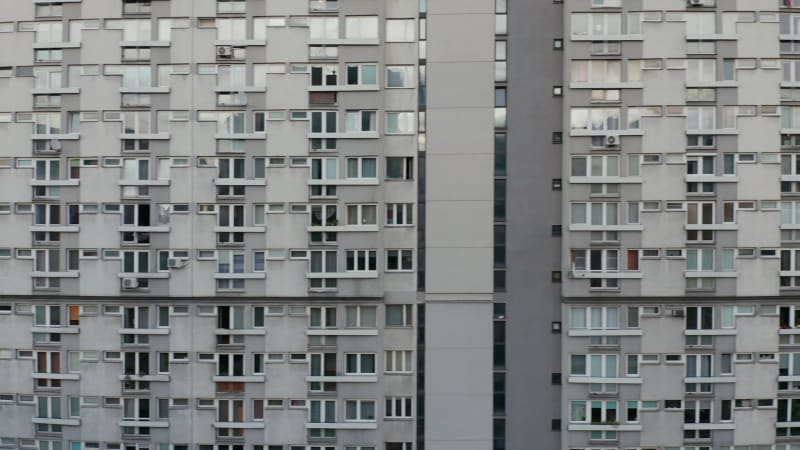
column 361, row 316
column 399, row 361
column 594, row 365
column 701, row 118
column 359, row 411
column 399, row 315
column 322, row 411
column 324, row 168
column 361, row 121
column 229, row 262
column 595, row 166
column 699, row 366
column 230, row 317
column 359, row 363
column 362, row 75
column 596, row 25
column 231, row 29
column 400, row 122
column 362, row 168
column 398, row 408
column 400, row 30
column 47, row 316
column 399, row 260
column 400, row 76
column 594, row 317
column 595, row 119
column 399, row 168
column 699, row 317
column 230, row 411
column 698, row 23
column 362, row 214
column 230, row 365
column 701, row 70
column 322, row 317
column 361, row 260
column 399, row 214
column 595, row 412
column 596, row 71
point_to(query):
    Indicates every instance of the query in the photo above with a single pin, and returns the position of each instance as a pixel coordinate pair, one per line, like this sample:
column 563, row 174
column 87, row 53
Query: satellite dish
column 55, row 144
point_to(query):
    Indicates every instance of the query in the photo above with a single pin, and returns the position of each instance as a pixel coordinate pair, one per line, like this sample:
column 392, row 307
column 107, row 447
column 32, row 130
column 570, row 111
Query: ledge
column 143, row 377
column 54, row 91
column 241, row 89
column 344, row 275
column 343, row 379
column 244, row 425
column 240, row 276
column 66, row 422
column 345, row 88
column 342, row 332
column 345, row 41
column 134, row 229
column 589, row 333
column 343, row 426
column 45, row 45
column 143, row 423
column 148, row 136
column 344, row 228
column 711, row 274
column 241, row 379
column 60, row 330
column 55, row 274
column 239, row 182
column 615, row 180
column 247, row 332
column 56, row 228
column 243, row 43
column 589, row 427
column 61, row 137
column 145, row 275
column 608, row 275
column 56, row 376
column 594, row 380
column 255, row 229
column 143, row 182
column 620, row 85
column 55, row 182
column 606, row 227
column 345, row 135
column 148, row 331
column 345, row 182
column 241, row 136
column 145, row 43
column 145, row 90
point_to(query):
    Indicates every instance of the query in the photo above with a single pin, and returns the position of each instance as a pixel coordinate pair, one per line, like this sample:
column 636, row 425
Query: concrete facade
column 209, row 213
column 678, row 165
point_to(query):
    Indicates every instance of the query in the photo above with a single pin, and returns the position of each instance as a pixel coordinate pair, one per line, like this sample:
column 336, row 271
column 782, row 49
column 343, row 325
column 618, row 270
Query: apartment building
column 679, row 210
column 209, row 213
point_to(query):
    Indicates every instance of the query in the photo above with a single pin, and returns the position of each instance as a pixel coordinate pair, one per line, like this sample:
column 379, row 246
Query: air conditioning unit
column 130, row 283
column 611, row 141
column 225, row 51
column 176, row 263
column 694, row 2
column 678, row 312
